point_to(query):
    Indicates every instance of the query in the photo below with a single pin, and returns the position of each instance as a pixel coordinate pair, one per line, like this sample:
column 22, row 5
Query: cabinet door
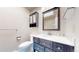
column 38, row 47
column 46, row 43
column 58, row 47
column 49, row 50
column 36, row 40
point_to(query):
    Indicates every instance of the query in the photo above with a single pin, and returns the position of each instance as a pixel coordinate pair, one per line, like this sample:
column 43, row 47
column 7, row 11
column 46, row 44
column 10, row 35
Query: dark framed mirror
column 33, row 19
column 51, row 19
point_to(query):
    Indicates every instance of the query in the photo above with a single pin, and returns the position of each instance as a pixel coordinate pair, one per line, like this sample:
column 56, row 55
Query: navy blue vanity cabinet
column 43, row 45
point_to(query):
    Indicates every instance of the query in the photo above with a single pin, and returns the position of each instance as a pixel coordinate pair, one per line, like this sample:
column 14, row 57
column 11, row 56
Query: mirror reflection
column 51, row 19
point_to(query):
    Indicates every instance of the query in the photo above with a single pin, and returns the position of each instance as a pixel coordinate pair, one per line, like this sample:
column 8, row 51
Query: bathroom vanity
column 46, row 43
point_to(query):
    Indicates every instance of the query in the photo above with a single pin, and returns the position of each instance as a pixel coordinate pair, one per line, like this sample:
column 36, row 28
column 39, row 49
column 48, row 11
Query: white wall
column 15, row 18
column 76, row 29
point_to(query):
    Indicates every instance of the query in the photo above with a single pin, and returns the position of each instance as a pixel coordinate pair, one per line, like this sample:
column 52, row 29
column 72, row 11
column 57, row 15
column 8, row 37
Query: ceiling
column 31, row 8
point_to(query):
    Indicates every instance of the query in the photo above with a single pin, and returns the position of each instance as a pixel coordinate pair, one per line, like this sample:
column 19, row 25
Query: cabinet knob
column 59, row 48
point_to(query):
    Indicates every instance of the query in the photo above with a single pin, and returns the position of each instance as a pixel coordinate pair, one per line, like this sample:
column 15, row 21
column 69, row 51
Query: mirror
column 51, row 19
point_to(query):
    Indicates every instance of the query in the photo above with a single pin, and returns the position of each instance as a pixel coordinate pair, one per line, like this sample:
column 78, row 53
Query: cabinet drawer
column 48, row 50
column 38, row 47
column 58, row 47
column 35, row 39
column 46, row 43
column 68, row 48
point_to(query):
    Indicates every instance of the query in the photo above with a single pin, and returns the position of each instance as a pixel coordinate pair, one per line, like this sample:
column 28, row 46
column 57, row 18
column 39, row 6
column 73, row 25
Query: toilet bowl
column 25, row 47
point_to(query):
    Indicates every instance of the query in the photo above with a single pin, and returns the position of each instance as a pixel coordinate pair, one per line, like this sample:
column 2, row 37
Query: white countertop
column 59, row 39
